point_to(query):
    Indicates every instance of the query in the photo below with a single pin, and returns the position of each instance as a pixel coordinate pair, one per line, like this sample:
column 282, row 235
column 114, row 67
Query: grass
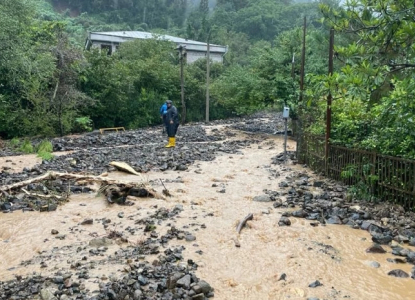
column 44, row 146
column 14, row 142
column 45, row 155
column 27, row 147
column 44, row 150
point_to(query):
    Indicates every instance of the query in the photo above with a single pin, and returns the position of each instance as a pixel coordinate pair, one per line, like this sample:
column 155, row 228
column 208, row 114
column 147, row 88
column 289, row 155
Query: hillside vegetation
column 50, row 86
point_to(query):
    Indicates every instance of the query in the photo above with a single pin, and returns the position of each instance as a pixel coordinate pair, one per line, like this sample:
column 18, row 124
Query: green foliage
column 83, row 124
column 26, row 147
column 14, row 142
column 45, row 155
column 365, row 180
column 44, row 146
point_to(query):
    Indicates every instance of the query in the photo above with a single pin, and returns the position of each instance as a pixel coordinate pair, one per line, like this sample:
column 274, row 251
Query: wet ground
column 271, row 262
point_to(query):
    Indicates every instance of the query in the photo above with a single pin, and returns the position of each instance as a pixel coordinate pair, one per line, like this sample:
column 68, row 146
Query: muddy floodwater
column 215, row 196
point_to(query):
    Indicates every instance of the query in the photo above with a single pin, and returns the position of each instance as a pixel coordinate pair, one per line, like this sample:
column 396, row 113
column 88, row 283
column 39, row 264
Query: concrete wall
column 192, row 56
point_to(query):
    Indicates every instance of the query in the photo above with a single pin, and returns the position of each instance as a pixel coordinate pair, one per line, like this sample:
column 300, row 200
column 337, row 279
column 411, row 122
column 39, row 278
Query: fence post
column 373, row 172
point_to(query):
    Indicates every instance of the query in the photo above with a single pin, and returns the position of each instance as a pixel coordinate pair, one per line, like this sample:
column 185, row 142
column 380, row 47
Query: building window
column 107, row 48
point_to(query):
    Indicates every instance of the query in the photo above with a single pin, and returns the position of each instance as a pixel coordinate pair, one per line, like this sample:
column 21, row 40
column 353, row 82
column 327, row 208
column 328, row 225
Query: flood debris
column 241, row 225
column 114, row 190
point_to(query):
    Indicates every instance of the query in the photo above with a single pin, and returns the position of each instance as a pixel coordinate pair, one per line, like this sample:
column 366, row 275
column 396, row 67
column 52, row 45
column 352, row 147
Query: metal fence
column 385, row 177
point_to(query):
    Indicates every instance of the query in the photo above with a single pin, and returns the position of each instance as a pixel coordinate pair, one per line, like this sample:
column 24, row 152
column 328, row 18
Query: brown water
column 249, row 272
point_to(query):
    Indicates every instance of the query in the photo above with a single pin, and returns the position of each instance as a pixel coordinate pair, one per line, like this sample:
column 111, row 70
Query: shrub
column 44, row 146
column 45, row 155
column 26, row 147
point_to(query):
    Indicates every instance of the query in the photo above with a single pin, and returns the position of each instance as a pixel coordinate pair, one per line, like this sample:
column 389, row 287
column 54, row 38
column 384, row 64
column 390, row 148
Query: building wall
column 192, row 56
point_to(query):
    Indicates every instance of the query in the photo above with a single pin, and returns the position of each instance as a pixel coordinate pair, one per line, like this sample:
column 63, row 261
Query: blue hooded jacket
column 163, row 109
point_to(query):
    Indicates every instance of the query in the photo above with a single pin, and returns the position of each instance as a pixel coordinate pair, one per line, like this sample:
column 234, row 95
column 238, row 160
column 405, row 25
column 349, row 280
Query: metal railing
column 387, row 178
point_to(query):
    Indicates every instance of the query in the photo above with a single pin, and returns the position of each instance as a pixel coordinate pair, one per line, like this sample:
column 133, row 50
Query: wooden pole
column 207, row 78
column 182, row 57
column 329, row 99
column 300, row 100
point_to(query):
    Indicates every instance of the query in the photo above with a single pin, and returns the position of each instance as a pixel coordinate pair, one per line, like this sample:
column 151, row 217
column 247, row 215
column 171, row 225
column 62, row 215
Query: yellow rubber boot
column 173, row 142
column 170, row 144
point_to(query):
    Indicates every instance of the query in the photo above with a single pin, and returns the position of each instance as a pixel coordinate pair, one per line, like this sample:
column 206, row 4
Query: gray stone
column 184, row 282
column 373, row 264
column 381, row 239
column 190, row 238
column 199, row 297
column 46, row 294
column 138, row 294
column 398, row 273
column 205, row 287
column 315, row 284
column 334, row 220
column 284, row 221
column 375, row 248
column 100, row 242
column 54, row 231
column 87, row 221
column 262, row 198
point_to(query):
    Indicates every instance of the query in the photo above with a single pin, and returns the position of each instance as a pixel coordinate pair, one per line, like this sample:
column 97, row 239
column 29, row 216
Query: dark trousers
column 172, row 129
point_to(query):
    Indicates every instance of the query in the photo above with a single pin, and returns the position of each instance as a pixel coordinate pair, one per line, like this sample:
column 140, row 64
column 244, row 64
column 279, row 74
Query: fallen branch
column 108, row 182
column 43, row 196
column 243, row 222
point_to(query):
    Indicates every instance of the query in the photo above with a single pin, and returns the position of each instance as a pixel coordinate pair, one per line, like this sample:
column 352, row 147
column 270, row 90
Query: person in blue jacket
column 172, row 119
column 163, row 116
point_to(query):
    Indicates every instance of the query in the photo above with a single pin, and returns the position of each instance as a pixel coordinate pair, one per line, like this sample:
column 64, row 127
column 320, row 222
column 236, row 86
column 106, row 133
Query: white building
column 194, row 49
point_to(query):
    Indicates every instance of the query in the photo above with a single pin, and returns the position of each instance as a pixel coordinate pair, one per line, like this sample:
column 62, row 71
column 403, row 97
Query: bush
column 45, row 155
column 44, row 146
column 26, row 147
column 83, row 124
column 14, row 142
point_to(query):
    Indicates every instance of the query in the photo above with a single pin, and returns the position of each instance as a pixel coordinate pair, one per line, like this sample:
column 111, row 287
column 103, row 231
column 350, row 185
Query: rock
column 315, row 284
column 87, row 221
column 365, row 225
column 374, row 229
column 54, row 231
column 184, row 282
column 375, row 248
column 318, row 184
column 46, row 294
column 396, row 260
column 190, row 237
column 199, row 297
column 138, row 294
column 299, row 214
column 262, row 198
column 204, row 286
column 277, row 203
column 58, row 279
column 381, row 239
column 398, row 273
column 334, row 220
column 60, row 236
column 100, row 242
column 282, row 277
column 413, row 273
column 142, row 280
column 121, row 215
column 284, row 221
column 373, row 264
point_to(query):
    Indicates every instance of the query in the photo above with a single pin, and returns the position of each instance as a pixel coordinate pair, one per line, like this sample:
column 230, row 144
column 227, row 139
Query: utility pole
column 292, row 66
column 182, row 57
column 207, row 77
column 300, row 100
column 329, row 98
